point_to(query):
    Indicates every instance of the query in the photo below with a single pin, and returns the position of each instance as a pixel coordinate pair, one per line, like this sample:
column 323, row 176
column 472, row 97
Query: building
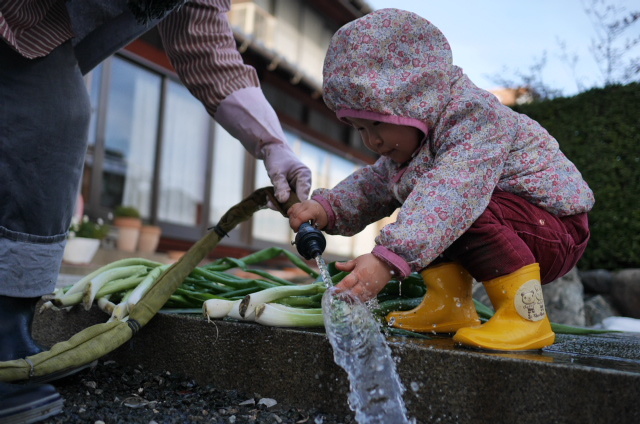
column 152, row 145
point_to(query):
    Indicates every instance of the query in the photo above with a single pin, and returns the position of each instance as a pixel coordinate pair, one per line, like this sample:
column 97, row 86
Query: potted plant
column 149, row 238
column 128, row 222
column 84, row 240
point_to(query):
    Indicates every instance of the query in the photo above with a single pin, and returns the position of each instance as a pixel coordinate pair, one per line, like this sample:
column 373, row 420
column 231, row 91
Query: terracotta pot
column 149, row 238
column 80, row 250
column 128, row 233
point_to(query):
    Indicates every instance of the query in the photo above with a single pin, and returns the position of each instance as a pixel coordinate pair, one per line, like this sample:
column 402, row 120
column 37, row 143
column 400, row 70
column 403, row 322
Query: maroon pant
column 512, row 233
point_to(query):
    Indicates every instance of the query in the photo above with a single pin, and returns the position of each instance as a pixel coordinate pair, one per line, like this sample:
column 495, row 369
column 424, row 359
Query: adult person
column 46, row 47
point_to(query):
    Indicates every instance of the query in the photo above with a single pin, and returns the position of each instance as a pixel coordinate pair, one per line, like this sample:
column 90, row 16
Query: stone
column 564, row 299
column 596, row 280
column 625, row 291
column 597, row 308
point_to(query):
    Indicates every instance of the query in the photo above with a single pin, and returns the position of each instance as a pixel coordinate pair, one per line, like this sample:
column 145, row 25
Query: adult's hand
column 286, row 171
column 247, row 116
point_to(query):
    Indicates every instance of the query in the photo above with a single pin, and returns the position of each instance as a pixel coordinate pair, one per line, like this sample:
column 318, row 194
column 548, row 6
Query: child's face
column 397, row 142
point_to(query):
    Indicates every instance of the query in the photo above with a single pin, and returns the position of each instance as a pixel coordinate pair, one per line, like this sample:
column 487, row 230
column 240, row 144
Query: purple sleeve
column 360, row 199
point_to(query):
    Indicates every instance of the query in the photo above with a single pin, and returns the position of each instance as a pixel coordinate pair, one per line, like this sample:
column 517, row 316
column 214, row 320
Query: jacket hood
column 390, row 65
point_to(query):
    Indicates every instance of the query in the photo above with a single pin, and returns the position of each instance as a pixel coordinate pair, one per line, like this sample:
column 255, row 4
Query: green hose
column 98, row 340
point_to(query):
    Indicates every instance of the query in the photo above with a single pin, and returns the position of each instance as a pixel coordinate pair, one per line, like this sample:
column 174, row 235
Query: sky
column 488, row 37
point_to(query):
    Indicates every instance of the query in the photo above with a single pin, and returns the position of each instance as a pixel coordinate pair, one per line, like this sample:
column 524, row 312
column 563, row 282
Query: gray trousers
column 44, row 119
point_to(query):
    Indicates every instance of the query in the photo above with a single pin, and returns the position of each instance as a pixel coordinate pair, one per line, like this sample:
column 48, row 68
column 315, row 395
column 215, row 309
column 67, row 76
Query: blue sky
column 488, row 35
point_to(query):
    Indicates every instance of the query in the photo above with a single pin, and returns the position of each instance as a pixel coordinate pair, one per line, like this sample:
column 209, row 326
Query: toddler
column 483, row 192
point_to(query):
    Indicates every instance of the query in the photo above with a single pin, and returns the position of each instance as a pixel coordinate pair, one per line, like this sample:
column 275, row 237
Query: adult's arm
column 199, row 41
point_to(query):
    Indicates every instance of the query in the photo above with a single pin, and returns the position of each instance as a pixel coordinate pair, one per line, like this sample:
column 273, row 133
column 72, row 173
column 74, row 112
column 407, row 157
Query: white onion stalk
column 251, row 301
column 217, row 308
column 115, row 286
column 46, row 305
column 105, row 304
column 277, row 316
column 144, row 286
column 79, row 286
column 100, row 280
column 235, row 312
column 121, row 310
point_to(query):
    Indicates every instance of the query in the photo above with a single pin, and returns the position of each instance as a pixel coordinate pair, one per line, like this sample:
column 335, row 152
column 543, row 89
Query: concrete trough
column 580, row 379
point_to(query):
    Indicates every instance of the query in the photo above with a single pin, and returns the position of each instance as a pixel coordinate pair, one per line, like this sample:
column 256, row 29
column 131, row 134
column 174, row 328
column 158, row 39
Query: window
column 130, row 136
column 228, row 172
column 94, row 84
column 184, row 158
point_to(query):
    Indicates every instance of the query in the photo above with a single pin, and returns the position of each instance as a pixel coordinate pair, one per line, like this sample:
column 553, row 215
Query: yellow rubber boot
column 520, row 321
column 447, row 306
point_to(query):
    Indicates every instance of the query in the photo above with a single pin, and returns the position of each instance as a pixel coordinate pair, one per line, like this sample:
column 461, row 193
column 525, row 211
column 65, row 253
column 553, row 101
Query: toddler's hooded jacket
column 394, row 66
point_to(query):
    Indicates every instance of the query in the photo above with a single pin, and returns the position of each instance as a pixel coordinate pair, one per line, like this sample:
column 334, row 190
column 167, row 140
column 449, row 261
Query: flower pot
column 80, row 250
column 149, row 238
column 128, row 233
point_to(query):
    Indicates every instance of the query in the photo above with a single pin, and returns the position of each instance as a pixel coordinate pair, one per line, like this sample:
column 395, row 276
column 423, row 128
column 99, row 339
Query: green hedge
column 599, row 130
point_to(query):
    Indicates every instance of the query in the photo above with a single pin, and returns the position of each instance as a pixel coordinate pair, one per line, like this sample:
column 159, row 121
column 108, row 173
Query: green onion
column 249, row 303
column 100, row 280
column 196, row 298
column 121, row 310
column 405, row 333
column 283, row 316
column 145, row 285
column 79, row 286
column 313, row 301
column 242, row 292
column 105, row 304
column 398, row 304
column 483, row 310
column 217, row 308
column 268, row 300
column 235, row 312
column 292, row 309
column 112, row 287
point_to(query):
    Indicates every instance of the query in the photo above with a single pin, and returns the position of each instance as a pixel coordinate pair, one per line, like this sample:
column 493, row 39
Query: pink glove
column 247, row 115
column 285, row 170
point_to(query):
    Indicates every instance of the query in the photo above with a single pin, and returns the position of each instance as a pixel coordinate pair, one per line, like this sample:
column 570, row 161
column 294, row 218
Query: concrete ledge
column 594, row 379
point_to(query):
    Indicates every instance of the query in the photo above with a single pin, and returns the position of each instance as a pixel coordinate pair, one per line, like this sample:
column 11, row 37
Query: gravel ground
column 113, row 393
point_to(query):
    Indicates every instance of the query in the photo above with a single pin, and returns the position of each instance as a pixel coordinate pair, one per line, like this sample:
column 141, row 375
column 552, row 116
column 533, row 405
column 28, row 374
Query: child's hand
column 368, row 276
column 308, row 210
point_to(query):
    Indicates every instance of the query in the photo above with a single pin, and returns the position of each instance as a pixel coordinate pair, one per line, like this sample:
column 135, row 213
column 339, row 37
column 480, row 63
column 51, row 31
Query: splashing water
column 361, row 350
column 324, row 272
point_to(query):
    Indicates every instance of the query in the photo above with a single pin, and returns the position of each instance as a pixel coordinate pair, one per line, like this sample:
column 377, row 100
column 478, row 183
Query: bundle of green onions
column 214, row 290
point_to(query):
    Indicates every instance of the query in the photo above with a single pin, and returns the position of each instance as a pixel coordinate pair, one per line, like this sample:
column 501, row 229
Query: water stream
column 360, row 348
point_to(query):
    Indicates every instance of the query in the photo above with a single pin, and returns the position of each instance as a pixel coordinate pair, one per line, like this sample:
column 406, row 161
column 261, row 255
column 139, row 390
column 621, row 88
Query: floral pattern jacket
column 395, row 66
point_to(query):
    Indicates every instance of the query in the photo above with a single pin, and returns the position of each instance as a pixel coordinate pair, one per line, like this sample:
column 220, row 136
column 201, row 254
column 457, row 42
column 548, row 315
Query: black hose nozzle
column 310, row 241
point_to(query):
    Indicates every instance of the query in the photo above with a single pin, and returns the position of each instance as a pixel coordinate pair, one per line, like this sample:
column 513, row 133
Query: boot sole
column 58, row 375
column 34, row 411
column 449, row 328
column 543, row 342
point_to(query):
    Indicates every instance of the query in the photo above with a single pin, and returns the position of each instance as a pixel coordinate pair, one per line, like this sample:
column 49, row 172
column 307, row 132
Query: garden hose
column 98, row 340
